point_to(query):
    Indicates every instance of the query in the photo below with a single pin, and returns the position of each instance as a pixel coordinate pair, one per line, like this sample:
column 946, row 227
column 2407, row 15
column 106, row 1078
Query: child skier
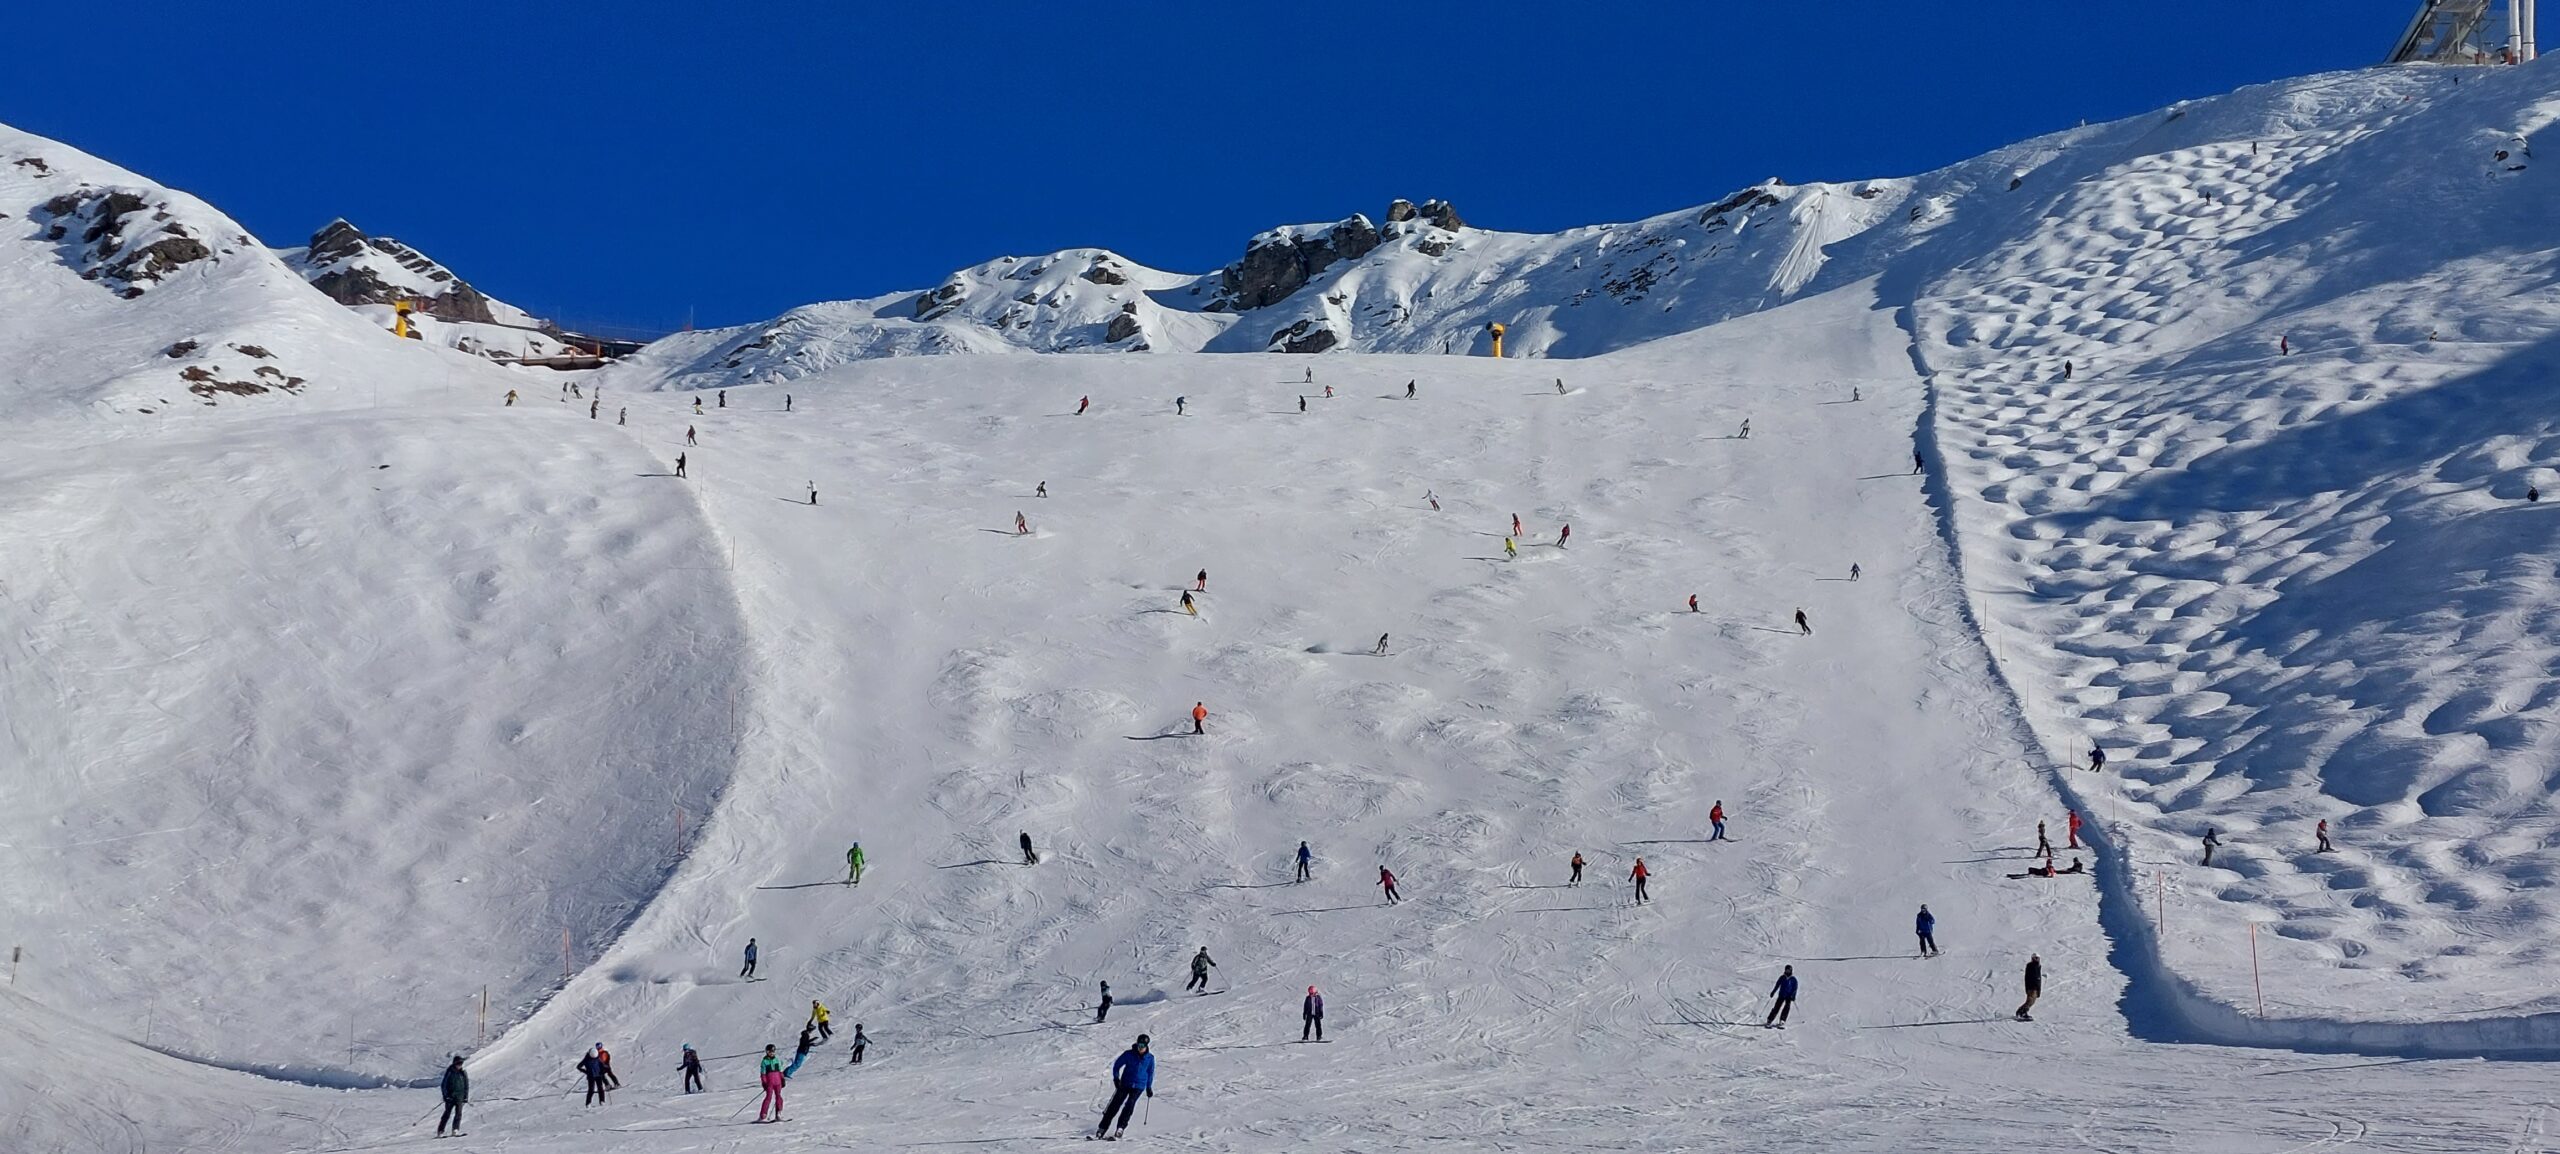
column 769, row 1075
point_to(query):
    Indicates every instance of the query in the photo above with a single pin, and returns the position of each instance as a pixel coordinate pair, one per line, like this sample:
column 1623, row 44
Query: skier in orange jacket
column 1199, row 717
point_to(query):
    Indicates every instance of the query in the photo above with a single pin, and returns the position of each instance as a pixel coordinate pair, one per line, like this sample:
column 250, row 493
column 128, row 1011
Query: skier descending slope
column 1133, row 1073
column 1381, row 650
column 1926, row 925
column 1021, row 527
column 1030, row 856
column 1200, row 584
column 1715, row 817
column 853, row 860
column 1310, row 1017
column 749, row 970
column 1199, row 717
column 1387, row 882
column 1638, row 876
column 2035, row 986
column 1576, row 879
column 1785, row 993
column 769, row 1075
column 1083, row 403
column 1305, row 858
column 457, row 1090
column 1200, row 965
column 1804, row 628
column 861, row 1042
column 691, row 1068
column 1102, row 1009
column 1187, row 606
column 1510, row 550
column 1563, row 535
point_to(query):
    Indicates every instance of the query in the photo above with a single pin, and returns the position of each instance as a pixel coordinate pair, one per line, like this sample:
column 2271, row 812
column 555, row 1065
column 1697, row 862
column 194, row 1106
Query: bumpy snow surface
column 328, row 708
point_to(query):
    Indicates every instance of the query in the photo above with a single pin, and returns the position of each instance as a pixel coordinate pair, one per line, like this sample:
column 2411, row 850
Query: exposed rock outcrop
column 1282, row 261
column 119, row 244
column 340, row 264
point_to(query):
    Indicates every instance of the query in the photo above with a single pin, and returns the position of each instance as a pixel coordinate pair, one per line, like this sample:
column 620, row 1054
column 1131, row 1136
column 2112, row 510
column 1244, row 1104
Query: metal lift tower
column 2450, row 32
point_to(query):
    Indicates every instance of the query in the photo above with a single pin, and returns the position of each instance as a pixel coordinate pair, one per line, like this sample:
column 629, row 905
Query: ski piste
column 1535, row 710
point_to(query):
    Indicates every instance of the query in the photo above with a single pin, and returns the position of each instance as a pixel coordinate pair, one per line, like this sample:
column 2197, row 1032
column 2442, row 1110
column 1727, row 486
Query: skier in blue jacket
column 1926, row 925
column 1132, row 1074
column 1785, row 992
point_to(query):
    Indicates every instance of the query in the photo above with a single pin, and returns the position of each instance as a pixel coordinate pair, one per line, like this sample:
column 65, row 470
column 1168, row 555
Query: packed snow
column 427, row 676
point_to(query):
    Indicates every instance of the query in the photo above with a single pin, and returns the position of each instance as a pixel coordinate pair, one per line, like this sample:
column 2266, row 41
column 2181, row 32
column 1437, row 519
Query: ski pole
column 1147, row 1116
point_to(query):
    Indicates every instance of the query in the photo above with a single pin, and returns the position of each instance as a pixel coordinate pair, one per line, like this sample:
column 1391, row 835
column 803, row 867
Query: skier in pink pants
column 769, row 1072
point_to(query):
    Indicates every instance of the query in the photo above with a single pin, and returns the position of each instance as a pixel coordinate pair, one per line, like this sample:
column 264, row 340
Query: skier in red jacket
column 2071, row 830
column 1387, row 882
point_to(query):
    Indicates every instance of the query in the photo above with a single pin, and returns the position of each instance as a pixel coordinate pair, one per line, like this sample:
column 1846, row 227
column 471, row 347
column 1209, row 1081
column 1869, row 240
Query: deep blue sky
column 624, row 163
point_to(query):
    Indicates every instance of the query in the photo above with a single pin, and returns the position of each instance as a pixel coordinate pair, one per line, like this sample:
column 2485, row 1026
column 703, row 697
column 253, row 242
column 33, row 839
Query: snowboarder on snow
column 1306, row 858
column 1387, row 882
column 1199, row 717
column 749, row 970
column 1804, row 628
column 1785, row 993
column 853, row 860
column 1311, row 1016
column 1200, row 964
column 2322, row 832
column 1133, row 1073
column 1102, row 1009
column 818, row 1014
column 1576, row 879
column 1030, row 856
column 1926, row 925
column 2035, row 986
column 861, row 1042
column 1041, row 492
column 1187, row 606
column 1083, row 403
column 1715, row 817
column 1021, row 527
column 2210, row 844
column 769, row 1075
column 1381, row 650
column 1638, row 876
column 691, row 1068
column 1432, row 497
column 457, row 1090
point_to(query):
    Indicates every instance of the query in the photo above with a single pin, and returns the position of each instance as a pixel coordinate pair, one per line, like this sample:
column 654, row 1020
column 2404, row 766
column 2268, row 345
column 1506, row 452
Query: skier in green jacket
column 853, row 865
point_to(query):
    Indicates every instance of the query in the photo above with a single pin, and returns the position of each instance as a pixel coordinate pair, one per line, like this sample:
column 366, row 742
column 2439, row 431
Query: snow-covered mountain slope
column 352, row 268
column 373, row 274
column 326, row 746
column 2286, row 588
column 125, row 298
column 1081, row 300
